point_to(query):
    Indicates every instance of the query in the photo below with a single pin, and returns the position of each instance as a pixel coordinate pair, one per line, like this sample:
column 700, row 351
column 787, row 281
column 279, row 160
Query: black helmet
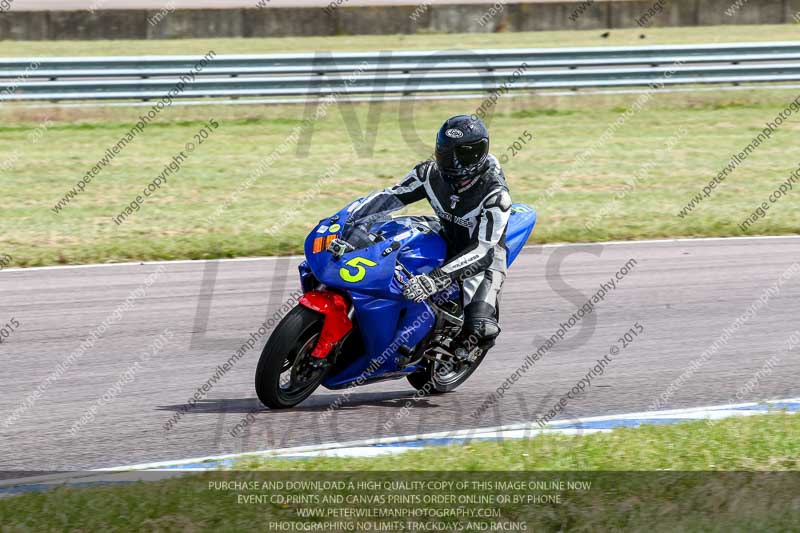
column 461, row 148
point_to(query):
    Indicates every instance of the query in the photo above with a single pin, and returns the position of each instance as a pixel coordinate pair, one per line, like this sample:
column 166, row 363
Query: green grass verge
column 172, row 223
column 37, row 169
column 425, row 41
column 675, row 493
column 756, row 443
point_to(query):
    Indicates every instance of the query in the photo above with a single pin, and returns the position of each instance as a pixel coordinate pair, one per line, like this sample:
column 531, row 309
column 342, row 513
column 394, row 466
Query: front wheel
column 284, row 376
column 444, row 375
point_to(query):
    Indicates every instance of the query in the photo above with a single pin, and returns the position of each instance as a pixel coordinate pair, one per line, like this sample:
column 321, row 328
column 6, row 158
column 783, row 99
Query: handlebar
column 405, row 270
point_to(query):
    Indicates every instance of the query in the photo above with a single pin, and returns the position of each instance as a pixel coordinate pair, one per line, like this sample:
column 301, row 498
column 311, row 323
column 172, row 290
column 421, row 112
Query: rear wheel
column 284, row 376
column 444, row 375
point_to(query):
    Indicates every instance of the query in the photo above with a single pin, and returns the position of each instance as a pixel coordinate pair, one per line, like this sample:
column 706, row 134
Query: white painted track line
column 527, row 429
column 687, row 240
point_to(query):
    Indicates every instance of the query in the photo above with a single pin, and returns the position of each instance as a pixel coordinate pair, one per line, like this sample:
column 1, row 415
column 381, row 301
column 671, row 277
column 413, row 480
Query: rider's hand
column 420, row 288
column 339, row 247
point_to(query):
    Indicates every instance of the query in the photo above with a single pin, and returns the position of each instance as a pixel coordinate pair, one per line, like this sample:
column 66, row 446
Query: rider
column 466, row 188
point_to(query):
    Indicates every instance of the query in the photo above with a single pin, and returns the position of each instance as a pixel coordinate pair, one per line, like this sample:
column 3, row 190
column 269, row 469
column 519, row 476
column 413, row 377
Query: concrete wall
column 116, row 24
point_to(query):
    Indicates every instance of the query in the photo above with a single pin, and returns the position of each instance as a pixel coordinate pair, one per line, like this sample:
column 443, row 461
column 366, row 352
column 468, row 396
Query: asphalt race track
column 684, row 293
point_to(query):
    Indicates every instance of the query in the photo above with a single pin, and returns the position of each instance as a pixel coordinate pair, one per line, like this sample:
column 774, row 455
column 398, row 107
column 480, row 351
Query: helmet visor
column 461, row 161
column 471, row 154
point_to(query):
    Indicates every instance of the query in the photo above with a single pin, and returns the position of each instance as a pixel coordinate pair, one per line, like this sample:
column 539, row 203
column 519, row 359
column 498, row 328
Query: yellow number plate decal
column 357, row 271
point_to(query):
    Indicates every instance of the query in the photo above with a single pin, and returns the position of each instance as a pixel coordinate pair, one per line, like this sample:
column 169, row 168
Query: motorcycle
column 353, row 312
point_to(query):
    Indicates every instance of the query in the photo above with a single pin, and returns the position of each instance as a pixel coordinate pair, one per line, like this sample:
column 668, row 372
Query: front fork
column 338, row 313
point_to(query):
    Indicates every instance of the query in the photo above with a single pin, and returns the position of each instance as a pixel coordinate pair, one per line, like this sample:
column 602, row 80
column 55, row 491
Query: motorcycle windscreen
column 520, row 226
column 371, row 270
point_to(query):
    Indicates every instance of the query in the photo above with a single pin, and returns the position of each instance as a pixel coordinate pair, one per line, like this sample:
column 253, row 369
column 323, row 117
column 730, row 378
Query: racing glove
column 420, row 288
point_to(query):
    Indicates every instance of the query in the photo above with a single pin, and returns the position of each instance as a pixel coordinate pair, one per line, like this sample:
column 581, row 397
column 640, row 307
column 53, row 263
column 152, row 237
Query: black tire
column 431, row 382
column 288, row 350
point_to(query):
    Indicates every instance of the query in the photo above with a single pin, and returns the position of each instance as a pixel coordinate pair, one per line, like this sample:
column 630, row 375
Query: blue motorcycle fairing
column 520, row 226
column 385, row 326
column 371, row 270
column 370, row 276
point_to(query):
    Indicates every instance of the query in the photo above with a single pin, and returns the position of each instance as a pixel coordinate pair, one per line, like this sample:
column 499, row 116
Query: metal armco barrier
column 144, row 78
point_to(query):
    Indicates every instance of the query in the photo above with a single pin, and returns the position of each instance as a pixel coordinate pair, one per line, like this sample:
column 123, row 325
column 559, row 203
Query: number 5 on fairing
column 360, row 272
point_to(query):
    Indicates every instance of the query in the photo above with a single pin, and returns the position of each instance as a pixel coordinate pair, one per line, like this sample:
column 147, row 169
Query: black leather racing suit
column 473, row 223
